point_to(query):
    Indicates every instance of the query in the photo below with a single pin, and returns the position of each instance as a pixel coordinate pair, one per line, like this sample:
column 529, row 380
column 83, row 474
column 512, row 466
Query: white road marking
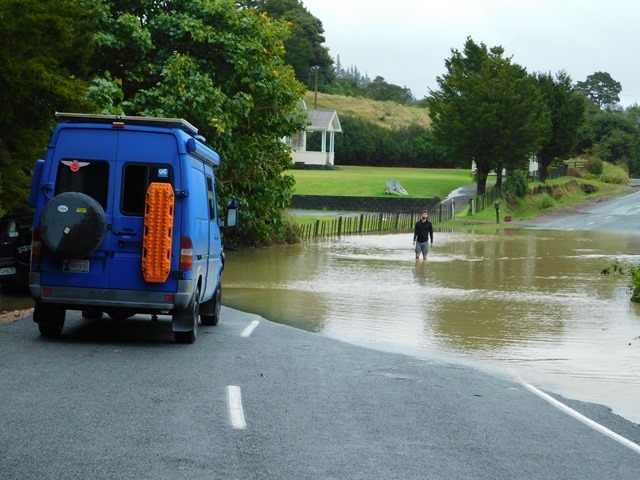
column 587, row 421
column 250, row 328
column 236, row 414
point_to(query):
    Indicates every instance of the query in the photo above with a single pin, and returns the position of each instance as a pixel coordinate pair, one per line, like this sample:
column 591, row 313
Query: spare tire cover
column 72, row 224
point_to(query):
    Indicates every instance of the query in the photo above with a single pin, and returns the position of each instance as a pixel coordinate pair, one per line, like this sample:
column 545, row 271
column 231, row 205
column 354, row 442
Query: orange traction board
column 158, row 232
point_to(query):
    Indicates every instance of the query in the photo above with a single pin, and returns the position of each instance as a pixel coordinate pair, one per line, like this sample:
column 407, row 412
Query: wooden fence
column 479, row 202
column 354, row 224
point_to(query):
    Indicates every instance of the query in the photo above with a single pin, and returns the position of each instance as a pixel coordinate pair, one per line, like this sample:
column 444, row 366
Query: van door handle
column 125, row 233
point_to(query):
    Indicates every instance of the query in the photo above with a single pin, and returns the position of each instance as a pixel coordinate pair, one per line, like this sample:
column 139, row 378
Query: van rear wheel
column 50, row 319
column 212, row 309
column 185, row 322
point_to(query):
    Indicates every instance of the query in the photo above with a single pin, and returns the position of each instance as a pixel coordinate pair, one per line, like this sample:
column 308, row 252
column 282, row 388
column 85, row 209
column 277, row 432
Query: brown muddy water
column 531, row 305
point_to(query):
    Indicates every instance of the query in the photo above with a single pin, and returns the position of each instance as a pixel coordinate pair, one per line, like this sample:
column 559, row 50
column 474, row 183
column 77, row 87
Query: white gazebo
column 321, row 122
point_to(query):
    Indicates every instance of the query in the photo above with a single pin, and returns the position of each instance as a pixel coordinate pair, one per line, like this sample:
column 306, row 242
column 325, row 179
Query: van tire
column 189, row 315
column 72, row 225
column 92, row 314
column 213, row 307
column 50, row 319
column 123, row 314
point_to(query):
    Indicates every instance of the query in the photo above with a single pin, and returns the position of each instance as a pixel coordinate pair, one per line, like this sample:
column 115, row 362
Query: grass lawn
column 424, row 183
column 372, row 181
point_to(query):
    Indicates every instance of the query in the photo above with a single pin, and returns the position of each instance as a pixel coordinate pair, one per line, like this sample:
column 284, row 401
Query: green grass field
column 372, row 181
column 425, row 183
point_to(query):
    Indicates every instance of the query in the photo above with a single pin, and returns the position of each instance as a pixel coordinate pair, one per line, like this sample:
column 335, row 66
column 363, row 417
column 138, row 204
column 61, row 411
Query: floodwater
column 531, row 305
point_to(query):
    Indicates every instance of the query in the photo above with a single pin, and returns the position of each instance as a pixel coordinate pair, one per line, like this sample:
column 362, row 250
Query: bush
column 516, row 185
column 545, row 201
column 633, row 282
column 594, row 166
column 617, row 178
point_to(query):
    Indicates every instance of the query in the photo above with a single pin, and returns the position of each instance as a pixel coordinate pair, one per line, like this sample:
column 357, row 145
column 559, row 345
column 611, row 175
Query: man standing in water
column 421, row 234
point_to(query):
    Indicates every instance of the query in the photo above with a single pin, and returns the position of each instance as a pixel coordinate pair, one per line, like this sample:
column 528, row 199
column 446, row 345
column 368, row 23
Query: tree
column 612, row 137
column 567, row 109
column 379, row 89
column 487, row 110
column 304, row 47
column 43, row 56
column 222, row 68
column 601, row 89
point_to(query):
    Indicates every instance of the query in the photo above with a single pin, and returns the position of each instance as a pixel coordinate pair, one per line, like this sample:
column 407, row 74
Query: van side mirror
column 231, row 218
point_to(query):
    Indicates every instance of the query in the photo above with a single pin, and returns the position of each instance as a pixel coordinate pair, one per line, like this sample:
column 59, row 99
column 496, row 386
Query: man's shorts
column 422, row 247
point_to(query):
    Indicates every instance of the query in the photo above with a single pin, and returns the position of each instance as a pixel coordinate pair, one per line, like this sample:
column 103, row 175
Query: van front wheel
column 185, row 322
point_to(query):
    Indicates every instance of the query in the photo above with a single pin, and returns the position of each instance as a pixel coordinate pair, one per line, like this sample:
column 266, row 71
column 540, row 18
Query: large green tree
column 601, row 89
column 487, row 110
column 379, row 89
column 44, row 52
column 221, row 67
column 613, row 137
column 304, row 49
column 567, row 109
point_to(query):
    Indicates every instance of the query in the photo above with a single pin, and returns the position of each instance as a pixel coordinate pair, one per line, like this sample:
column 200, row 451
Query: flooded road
column 531, row 305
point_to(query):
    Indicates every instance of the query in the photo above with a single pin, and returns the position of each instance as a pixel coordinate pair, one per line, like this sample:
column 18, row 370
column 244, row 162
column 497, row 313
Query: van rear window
column 137, row 178
column 88, row 177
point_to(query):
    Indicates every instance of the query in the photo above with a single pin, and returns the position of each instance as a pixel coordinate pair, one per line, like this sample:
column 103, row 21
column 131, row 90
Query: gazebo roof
column 321, row 120
column 324, row 120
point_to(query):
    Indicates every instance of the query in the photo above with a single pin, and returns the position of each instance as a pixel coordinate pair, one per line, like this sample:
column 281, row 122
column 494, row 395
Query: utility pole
column 315, row 68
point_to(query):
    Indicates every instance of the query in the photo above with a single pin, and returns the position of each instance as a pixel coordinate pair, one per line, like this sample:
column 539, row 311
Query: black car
column 15, row 250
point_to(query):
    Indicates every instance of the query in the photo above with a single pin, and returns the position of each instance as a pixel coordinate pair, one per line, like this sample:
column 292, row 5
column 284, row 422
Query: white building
column 324, row 124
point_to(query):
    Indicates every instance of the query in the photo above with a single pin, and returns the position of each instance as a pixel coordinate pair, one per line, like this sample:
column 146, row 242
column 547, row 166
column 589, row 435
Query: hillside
column 385, row 114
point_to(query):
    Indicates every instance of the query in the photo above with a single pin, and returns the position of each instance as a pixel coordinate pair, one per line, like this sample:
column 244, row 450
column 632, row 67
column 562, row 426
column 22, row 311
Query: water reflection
column 525, row 303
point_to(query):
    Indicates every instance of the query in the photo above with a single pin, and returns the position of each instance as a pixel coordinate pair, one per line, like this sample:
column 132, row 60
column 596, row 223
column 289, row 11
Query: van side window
column 211, row 194
column 88, row 177
column 136, row 180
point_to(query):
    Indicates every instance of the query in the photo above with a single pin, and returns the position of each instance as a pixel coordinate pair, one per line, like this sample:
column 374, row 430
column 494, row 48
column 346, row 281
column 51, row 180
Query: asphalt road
column 613, row 215
column 253, row 399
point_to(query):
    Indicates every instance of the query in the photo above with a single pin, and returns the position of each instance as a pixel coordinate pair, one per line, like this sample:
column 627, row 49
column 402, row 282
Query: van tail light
column 186, row 253
column 36, row 247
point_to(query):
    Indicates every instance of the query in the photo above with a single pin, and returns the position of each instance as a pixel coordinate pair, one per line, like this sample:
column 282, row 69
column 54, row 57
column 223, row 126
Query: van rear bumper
column 139, row 300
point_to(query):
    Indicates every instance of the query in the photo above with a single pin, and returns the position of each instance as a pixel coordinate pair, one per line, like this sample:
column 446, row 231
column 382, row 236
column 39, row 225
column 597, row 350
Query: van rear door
column 144, row 157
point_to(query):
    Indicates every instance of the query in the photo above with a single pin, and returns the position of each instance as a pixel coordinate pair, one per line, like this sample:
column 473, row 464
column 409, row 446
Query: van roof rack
column 131, row 120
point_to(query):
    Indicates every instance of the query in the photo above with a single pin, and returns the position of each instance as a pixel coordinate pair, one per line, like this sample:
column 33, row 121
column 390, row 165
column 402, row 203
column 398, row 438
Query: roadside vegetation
column 632, row 272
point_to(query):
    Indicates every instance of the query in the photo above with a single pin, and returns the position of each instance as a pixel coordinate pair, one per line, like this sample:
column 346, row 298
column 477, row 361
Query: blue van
column 126, row 222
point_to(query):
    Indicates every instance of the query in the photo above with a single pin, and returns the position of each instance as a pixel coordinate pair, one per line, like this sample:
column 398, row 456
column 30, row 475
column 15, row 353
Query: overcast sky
column 407, row 41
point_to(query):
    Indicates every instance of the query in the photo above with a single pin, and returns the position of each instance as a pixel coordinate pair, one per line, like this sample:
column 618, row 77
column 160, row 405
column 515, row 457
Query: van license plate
column 75, row 266
column 8, row 271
